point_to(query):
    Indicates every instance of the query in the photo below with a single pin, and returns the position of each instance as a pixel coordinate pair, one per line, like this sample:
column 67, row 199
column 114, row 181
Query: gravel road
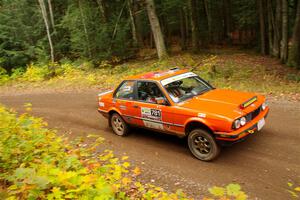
column 262, row 165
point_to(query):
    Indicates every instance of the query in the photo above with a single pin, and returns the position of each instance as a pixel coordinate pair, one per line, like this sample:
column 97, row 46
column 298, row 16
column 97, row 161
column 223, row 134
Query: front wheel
column 118, row 125
column 202, row 145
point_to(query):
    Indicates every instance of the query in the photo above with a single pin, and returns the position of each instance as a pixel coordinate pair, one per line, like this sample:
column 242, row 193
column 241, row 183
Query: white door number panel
column 152, row 114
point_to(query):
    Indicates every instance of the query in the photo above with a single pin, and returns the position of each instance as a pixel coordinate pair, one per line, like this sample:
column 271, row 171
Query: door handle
column 135, row 106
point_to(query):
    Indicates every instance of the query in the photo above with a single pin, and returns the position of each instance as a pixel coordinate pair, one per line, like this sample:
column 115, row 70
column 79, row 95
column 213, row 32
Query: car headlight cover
column 243, row 121
column 237, row 124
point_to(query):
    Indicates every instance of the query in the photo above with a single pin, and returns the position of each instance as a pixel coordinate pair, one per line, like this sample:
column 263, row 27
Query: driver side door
column 149, row 113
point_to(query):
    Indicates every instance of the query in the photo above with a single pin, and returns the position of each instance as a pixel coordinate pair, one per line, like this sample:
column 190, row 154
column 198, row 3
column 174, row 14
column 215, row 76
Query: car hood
column 221, row 102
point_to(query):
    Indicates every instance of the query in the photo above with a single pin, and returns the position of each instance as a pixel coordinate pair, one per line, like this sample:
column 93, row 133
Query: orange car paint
column 216, row 109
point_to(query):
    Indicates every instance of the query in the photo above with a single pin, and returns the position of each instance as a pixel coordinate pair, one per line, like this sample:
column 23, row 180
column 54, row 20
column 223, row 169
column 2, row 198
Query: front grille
column 253, row 114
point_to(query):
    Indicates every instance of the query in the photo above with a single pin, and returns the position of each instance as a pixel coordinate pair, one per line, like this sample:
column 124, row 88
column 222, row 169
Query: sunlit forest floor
column 223, row 68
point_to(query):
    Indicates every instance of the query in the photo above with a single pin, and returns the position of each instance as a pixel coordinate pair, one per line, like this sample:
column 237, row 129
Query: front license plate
column 260, row 124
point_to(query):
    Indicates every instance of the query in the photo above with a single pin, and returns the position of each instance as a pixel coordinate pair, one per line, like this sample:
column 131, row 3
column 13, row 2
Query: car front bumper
column 229, row 138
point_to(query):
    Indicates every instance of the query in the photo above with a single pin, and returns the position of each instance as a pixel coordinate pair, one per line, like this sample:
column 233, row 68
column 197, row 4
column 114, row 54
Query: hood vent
column 248, row 102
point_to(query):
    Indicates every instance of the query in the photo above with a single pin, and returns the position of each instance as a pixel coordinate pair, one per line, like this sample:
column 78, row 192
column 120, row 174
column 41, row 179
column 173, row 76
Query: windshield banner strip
column 177, row 78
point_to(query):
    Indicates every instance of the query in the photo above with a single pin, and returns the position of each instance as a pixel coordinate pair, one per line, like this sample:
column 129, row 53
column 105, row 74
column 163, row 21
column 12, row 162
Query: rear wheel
column 202, row 145
column 119, row 126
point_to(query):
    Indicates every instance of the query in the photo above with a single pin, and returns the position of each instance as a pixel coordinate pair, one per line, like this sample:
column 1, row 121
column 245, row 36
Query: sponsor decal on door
column 152, row 114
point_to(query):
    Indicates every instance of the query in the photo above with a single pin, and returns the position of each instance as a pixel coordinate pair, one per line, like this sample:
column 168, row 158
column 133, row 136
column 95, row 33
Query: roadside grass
column 36, row 163
column 223, row 69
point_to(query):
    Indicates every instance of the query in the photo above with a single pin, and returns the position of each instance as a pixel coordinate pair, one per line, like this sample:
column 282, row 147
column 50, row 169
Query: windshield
column 185, row 86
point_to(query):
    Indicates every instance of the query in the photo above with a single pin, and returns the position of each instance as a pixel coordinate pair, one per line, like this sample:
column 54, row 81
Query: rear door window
column 126, row 91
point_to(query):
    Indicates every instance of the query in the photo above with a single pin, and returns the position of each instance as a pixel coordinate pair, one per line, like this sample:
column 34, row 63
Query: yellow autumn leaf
column 297, row 189
column 136, row 171
column 125, row 157
column 126, row 180
column 28, row 107
column 126, row 164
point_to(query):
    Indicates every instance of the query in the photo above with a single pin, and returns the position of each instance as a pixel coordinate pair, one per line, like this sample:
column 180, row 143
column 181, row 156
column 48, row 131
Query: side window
column 148, row 92
column 126, row 90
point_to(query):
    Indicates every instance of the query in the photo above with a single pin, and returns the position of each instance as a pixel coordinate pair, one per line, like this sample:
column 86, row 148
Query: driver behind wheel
column 175, row 91
column 153, row 93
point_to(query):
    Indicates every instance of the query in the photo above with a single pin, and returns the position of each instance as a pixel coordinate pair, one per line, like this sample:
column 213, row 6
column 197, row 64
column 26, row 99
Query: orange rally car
column 180, row 102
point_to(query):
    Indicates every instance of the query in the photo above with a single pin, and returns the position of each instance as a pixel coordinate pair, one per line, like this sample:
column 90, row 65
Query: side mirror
column 161, row 101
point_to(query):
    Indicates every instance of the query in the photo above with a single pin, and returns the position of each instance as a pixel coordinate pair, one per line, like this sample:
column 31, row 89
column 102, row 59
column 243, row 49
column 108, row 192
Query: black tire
column 202, row 145
column 119, row 126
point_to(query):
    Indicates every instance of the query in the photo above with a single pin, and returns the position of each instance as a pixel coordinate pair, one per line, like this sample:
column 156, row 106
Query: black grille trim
column 252, row 115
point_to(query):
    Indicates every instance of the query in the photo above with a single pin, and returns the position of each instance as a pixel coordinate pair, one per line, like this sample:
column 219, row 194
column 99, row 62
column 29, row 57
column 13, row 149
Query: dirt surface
column 262, row 165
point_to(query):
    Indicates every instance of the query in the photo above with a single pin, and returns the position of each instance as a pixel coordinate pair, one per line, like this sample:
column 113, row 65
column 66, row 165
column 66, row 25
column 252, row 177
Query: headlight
column 264, row 105
column 243, row 121
column 237, row 124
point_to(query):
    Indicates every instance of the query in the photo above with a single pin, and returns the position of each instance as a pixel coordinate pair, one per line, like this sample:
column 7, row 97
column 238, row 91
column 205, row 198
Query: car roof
column 158, row 75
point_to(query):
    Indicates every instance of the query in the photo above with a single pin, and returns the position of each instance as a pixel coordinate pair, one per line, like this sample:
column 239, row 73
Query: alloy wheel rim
column 201, row 145
column 118, row 125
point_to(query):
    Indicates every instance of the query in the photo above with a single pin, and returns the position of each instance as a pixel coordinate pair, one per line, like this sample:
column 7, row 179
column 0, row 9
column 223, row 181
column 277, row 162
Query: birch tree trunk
column 284, row 40
column 262, row 27
column 45, row 18
column 51, row 14
column 132, row 20
column 294, row 54
column 156, row 30
column 102, row 10
column 85, row 29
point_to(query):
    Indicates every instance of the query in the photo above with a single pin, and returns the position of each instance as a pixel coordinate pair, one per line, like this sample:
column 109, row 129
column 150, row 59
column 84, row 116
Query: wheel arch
column 193, row 124
column 110, row 113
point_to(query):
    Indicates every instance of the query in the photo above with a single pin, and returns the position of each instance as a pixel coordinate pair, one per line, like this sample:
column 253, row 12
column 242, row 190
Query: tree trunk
column 133, row 26
column 51, row 14
column 182, row 29
column 262, row 27
column 294, row 54
column 194, row 25
column 187, row 24
column 270, row 26
column 284, row 40
column 85, row 29
column 227, row 20
column 137, row 11
column 102, row 10
column 277, row 30
column 208, row 18
column 117, row 23
column 45, row 18
column 156, row 30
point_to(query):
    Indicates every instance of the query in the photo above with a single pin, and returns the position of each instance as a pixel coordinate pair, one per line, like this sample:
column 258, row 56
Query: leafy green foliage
column 293, row 190
column 3, row 76
column 20, row 25
column 231, row 191
column 35, row 163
